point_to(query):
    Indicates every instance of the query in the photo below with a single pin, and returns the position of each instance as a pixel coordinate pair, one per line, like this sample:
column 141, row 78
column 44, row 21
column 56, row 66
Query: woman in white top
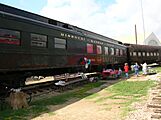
column 144, row 68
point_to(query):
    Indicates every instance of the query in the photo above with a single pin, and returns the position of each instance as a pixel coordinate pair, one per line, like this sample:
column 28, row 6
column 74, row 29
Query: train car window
column 60, row 43
column 106, row 51
column 124, row 52
column 99, row 49
column 117, row 52
column 157, row 54
column 38, row 40
column 89, row 48
column 151, row 54
column 139, row 53
column 112, row 51
column 121, row 52
column 134, row 53
column 147, row 53
column 9, row 37
column 143, row 53
column 130, row 53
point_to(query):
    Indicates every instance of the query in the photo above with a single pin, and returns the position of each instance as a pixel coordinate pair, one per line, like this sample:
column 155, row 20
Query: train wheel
column 29, row 98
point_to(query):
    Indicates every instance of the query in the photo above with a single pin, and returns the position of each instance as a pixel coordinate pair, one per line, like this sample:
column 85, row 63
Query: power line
column 143, row 18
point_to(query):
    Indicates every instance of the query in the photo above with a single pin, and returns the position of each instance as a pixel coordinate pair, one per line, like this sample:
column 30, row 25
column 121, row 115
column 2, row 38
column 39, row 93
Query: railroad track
column 60, row 83
column 155, row 102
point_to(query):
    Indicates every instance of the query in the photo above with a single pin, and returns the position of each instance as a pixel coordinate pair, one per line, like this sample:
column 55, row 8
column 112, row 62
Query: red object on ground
column 109, row 72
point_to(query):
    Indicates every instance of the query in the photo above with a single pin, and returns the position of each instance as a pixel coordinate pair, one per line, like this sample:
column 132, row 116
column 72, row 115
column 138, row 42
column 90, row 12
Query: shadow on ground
column 56, row 100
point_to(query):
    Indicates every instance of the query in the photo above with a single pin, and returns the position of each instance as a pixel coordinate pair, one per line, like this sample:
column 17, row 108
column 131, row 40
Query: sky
column 112, row 18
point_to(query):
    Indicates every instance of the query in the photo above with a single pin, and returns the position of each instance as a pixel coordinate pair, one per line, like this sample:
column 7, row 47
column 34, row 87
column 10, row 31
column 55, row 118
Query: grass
column 40, row 106
column 158, row 69
column 93, row 96
column 126, row 88
column 129, row 92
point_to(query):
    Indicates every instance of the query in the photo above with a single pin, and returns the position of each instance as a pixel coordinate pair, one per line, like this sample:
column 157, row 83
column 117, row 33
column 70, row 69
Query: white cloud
column 116, row 20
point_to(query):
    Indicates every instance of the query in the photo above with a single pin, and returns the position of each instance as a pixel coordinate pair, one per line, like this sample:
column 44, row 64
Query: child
column 119, row 72
column 136, row 68
column 126, row 69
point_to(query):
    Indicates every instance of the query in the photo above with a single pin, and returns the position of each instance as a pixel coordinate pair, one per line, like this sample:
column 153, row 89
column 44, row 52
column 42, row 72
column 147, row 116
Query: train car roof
column 98, row 36
column 137, row 47
column 45, row 20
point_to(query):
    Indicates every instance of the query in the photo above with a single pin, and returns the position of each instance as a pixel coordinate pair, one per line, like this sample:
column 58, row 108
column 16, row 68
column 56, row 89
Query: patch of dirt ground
column 93, row 109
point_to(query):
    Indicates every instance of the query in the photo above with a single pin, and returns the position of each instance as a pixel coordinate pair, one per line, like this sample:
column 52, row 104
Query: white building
column 152, row 40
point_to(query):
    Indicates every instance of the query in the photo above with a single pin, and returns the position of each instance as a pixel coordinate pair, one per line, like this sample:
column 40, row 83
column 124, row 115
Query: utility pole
column 143, row 18
column 136, row 35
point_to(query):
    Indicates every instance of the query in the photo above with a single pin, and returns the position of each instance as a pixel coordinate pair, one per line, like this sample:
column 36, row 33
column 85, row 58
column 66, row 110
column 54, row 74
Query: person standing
column 119, row 73
column 136, row 68
column 144, row 68
column 126, row 69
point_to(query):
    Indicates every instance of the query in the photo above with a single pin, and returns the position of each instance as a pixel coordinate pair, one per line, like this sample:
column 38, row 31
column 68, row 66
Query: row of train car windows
column 14, row 38
column 144, row 54
column 107, row 50
column 39, row 40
